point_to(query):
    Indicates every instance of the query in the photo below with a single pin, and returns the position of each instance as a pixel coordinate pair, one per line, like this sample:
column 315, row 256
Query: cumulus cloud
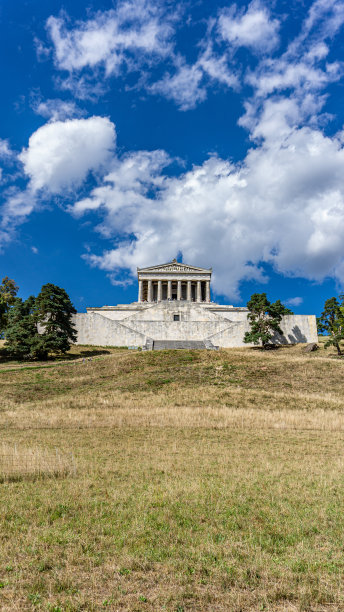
column 128, row 35
column 280, row 207
column 253, row 28
column 61, row 154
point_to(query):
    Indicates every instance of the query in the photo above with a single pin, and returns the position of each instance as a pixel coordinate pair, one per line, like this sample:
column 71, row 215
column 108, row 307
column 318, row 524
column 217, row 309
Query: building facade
column 174, row 281
column 174, row 310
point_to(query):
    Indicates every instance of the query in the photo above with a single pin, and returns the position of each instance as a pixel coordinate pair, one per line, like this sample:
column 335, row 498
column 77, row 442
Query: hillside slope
column 177, row 480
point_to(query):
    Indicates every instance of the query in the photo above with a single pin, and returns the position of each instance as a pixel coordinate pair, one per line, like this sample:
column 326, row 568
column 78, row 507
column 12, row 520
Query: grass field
column 175, row 480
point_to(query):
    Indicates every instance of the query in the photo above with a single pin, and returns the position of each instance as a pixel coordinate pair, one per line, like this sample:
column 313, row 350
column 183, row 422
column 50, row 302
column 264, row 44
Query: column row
column 156, row 291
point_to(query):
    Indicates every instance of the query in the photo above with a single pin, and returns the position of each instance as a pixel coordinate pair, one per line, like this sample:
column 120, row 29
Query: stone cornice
column 174, row 266
column 165, row 276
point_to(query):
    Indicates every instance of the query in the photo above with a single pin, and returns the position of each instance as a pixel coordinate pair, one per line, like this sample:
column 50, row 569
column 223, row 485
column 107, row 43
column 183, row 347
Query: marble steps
column 160, row 345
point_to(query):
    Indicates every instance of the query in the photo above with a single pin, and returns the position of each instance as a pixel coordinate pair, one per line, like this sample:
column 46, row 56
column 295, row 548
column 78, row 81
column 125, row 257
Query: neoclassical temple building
column 174, row 310
column 174, row 281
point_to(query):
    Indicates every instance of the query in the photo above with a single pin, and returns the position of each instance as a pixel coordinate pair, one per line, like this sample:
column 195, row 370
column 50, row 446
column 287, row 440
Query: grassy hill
column 177, row 480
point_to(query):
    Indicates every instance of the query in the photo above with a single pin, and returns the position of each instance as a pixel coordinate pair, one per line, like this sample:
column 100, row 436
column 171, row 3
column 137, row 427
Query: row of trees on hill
column 38, row 326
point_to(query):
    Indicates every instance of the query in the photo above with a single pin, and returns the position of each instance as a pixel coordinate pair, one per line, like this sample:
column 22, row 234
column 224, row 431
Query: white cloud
column 184, row 87
column 6, row 156
column 120, row 283
column 324, row 20
column 129, row 34
column 82, row 87
column 17, row 207
column 125, row 188
column 58, row 158
column 189, row 85
column 61, row 154
column 284, row 206
column 57, row 110
column 34, row 250
column 294, row 301
column 253, row 29
column 133, row 37
column 289, row 90
column 136, row 36
column 216, row 67
column 5, row 150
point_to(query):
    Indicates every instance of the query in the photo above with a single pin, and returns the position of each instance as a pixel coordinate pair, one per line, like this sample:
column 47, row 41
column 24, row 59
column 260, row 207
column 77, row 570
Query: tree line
column 38, row 326
column 42, row 325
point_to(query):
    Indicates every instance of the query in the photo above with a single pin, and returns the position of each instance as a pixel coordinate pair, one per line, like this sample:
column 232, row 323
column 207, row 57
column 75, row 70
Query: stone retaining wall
column 224, row 329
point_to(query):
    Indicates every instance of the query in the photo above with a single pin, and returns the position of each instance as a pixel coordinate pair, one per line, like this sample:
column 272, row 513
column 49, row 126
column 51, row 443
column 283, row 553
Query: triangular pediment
column 174, row 266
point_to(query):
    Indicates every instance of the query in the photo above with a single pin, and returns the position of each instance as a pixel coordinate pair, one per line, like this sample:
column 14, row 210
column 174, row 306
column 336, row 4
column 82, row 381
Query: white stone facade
column 174, row 281
column 178, row 314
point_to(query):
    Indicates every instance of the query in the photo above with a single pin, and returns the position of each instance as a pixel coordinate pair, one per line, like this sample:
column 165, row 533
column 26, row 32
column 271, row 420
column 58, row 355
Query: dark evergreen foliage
column 8, row 292
column 264, row 319
column 54, row 312
column 331, row 322
column 40, row 326
column 21, row 330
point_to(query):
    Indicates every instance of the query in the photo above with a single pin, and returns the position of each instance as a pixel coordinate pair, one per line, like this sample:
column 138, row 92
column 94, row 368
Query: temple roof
column 174, row 266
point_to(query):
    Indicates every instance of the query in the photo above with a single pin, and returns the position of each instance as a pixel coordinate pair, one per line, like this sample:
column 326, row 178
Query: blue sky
column 134, row 132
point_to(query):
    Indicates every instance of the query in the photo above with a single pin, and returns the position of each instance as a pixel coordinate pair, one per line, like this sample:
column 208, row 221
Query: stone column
column 179, row 290
column 159, row 291
column 199, row 294
column 149, row 296
column 188, row 291
column 169, row 290
column 207, row 291
column 140, row 291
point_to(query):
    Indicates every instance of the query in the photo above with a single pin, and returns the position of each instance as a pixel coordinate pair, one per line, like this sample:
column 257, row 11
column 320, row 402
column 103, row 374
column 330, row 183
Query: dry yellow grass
column 205, row 481
column 19, row 462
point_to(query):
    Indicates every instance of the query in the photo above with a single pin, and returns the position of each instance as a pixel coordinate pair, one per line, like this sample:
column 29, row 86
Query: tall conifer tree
column 264, row 319
column 331, row 322
column 54, row 310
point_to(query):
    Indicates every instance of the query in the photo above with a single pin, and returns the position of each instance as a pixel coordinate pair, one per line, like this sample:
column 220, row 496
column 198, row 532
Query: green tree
column 8, row 292
column 21, row 332
column 331, row 322
column 53, row 311
column 264, row 319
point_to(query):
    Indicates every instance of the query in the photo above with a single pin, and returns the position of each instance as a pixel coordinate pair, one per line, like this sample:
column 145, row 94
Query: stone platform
column 144, row 324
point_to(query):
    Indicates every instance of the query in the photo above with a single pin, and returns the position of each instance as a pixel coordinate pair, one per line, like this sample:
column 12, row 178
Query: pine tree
column 21, row 332
column 53, row 311
column 331, row 322
column 8, row 292
column 264, row 319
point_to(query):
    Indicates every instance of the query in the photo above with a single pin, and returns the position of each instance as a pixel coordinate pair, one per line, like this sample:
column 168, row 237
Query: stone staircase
column 160, row 345
column 149, row 345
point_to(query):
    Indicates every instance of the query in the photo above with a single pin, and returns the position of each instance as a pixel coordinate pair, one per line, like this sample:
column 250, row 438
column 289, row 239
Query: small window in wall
column 176, row 318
